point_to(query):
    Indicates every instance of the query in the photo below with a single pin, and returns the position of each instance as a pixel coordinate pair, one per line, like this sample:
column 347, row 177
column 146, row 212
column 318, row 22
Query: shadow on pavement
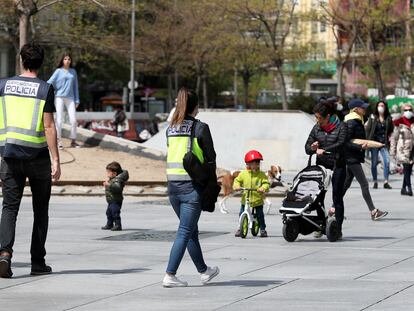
column 345, row 239
column 101, row 271
column 246, row 283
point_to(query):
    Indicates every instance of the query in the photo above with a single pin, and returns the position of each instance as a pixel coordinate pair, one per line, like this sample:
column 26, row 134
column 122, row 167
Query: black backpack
column 203, row 175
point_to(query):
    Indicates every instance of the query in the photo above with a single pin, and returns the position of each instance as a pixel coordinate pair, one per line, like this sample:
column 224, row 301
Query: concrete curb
column 115, row 143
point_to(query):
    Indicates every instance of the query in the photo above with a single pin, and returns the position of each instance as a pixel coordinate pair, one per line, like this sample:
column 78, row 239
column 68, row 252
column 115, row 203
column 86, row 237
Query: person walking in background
column 29, row 136
column 355, row 153
column 379, row 127
column 114, row 186
column 184, row 194
column 65, row 82
column 402, row 143
column 120, row 122
column 327, row 140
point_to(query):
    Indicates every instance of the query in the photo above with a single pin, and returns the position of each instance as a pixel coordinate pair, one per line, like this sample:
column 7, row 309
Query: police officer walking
column 27, row 135
column 184, row 193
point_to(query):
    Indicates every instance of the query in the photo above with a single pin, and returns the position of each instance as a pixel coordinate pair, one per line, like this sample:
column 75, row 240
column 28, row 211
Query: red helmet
column 253, row 155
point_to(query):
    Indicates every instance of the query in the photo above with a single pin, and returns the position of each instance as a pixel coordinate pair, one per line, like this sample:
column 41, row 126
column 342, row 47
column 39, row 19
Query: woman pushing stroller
column 327, row 140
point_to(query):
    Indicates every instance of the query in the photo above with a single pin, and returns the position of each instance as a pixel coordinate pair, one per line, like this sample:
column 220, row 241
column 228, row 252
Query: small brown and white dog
column 226, row 180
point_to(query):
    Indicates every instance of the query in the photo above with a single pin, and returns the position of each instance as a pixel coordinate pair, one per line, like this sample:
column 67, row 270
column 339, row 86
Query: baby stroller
column 303, row 209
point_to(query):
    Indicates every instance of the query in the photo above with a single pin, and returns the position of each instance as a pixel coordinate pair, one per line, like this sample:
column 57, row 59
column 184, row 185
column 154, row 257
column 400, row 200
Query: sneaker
column 375, row 185
column 107, row 227
column 378, row 214
column 5, row 267
column 41, row 270
column 317, row 234
column 387, row 186
column 238, row 233
column 209, row 274
column 263, row 233
column 172, row 281
column 117, row 228
column 60, row 146
column 73, row 144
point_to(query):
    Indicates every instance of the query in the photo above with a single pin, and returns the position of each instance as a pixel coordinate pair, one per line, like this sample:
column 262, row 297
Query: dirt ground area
column 88, row 163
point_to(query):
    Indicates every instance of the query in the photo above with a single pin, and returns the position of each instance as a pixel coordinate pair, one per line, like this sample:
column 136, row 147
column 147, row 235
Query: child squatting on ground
column 114, row 186
column 253, row 177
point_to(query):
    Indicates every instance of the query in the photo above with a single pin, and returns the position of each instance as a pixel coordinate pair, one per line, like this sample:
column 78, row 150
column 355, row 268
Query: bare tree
column 275, row 17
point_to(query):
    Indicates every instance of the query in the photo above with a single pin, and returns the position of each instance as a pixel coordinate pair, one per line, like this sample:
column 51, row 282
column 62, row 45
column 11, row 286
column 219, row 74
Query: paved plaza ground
column 371, row 269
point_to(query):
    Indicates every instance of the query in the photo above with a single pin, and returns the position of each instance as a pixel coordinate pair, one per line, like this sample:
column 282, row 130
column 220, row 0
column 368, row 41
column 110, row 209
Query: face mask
column 408, row 114
column 381, row 109
column 339, row 107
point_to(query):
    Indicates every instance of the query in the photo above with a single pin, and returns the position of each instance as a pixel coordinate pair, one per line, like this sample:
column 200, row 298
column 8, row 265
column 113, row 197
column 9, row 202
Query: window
column 323, row 27
column 314, row 27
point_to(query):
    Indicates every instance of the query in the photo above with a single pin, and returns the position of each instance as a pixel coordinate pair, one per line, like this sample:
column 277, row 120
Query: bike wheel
column 255, row 227
column 244, row 226
column 290, row 230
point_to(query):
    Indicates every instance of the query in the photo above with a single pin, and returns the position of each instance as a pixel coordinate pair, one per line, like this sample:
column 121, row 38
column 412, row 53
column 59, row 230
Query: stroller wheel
column 332, row 230
column 255, row 227
column 290, row 230
column 244, row 226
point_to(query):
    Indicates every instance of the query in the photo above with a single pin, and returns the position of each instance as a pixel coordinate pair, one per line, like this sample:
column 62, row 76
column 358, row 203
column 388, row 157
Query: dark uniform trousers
column 13, row 173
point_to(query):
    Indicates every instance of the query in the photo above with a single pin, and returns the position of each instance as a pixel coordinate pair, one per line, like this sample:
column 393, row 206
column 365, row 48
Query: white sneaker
column 209, row 274
column 172, row 281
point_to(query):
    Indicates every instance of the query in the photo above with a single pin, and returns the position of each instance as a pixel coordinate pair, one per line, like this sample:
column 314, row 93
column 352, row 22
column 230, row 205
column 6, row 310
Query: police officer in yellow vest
column 184, row 194
column 27, row 135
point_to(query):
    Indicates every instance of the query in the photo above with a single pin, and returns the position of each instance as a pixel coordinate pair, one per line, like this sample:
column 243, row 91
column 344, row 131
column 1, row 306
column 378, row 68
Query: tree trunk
column 198, row 84
column 246, row 82
column 23, row 35
column 170, row 90
column 340, row 89
column 235, row 91
column 205, row 99
column 282, row 85
column 378, row 80
column 175, row 82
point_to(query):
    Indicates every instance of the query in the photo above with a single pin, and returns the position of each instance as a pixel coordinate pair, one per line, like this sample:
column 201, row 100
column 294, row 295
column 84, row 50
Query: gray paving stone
column 371, row 269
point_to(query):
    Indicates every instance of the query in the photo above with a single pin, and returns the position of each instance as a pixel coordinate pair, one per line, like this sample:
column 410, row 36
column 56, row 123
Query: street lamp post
column 132, row 82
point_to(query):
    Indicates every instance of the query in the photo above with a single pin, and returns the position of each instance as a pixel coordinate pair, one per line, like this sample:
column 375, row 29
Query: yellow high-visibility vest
column 21, row 116
column 178, row 140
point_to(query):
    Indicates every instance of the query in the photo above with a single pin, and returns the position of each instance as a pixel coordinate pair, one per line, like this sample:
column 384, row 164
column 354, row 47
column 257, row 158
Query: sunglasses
column 408, row 110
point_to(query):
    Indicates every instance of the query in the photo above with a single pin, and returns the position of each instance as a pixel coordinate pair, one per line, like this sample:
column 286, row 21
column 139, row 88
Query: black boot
column 107, row 227
column 404, row 191
column 117, row 226
column 5, row 266
column 409, row 191
column 41, row 270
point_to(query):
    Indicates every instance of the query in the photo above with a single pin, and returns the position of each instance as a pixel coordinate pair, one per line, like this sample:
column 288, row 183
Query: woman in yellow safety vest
column 183, row 192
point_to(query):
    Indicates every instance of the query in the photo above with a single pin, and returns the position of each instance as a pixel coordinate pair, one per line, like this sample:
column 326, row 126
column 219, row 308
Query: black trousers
column 338, row 184
column 408, row 170
column 13, row 173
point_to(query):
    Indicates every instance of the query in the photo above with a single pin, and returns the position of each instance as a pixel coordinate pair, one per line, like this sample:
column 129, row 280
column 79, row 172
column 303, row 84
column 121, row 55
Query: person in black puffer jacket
column 327, row 140
column 355, row 153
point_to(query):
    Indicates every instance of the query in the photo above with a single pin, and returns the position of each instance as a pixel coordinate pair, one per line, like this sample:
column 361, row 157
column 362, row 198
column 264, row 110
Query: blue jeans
column 188, row 209
column 113, row 213
column 259, row 214
column 374, row 162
